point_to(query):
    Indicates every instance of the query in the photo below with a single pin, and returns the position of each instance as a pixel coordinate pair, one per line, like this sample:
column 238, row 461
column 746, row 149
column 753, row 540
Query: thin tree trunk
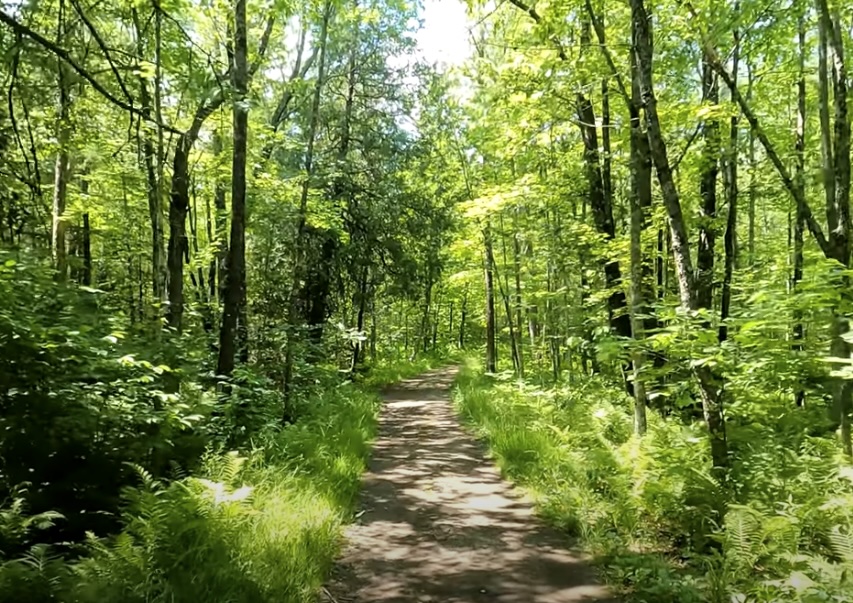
column 463, row 316
column 361, row 295
column 491, row 348
column 153, row 170
column 731, row 180
column 503, row 289
column 425, row 330
column 299, row 252
column 516, row 249
column 235, row 285
column 514, row 331
column 87, row 251
column 800, row 181
column 61, row 171
column 220, row 216
column 708, row 193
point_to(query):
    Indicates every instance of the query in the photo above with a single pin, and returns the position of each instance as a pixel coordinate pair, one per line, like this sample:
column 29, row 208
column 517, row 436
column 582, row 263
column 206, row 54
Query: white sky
column 444, row 38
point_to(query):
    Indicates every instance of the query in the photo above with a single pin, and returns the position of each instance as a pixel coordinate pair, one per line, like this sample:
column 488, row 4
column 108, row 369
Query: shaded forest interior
column 223, row 225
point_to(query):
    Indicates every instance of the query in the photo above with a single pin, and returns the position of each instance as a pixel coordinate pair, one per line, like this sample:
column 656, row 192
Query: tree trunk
column 514, row 332
column 463, row 316
column 219, row 263
column 361, row 295
column 298, row 255
column 178, row 208
column 491, row 348
column 61, row 169
column 708, row 193
column 709, row 383
column 154, row 184
column 235, row 282
column 730, row 239
column 425, row 328
column 800, row 181
column 838, row 211
column 87, row 251
column 519, row 314
column 641, row 200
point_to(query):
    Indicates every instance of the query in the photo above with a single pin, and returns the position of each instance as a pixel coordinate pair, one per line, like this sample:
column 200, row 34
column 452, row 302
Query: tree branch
column 598, row 26
column 262, row 47
column 65, row 56
column 100, row 41
column 798, row 195
column 561, row 51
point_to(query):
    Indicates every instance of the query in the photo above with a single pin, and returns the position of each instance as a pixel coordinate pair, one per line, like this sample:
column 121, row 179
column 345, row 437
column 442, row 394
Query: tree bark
column 708, row 193
column 235, row 281
column 800, row 181
column 491, row 348
column 61, row 168
column 299, row 252
column 731, row 181
column 709, row 383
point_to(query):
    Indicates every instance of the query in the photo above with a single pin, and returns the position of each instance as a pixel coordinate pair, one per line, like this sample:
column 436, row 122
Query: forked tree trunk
column 709, row 383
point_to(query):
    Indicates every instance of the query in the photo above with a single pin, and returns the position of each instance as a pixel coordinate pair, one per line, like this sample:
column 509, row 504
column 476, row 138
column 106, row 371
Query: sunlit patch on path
column 438, row 523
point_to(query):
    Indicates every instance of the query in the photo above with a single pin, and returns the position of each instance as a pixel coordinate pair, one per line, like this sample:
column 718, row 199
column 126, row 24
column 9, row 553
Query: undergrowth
column 648, row 510
column 256, row 526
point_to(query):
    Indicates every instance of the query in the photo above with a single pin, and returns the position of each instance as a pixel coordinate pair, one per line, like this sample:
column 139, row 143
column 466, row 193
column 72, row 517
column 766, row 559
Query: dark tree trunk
column 731, row 180
column 178, row 208
column 463, row 317
column 708, row 193
column 235, row 282
column 799, row 220
column 361, row 295
column 219, row 263
column 61, row 171
column 153, row 182
column 87, row 251
column 491, row 348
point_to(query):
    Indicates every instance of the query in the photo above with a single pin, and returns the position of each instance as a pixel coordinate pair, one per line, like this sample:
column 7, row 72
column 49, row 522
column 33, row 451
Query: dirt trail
column 439, row 524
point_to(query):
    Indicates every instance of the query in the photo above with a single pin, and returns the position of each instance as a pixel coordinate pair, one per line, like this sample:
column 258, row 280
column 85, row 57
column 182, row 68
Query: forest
column 226, row 224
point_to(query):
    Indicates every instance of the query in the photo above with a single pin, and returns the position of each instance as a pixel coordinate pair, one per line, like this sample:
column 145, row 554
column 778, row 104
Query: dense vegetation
column 223, row 223
column 217, row 220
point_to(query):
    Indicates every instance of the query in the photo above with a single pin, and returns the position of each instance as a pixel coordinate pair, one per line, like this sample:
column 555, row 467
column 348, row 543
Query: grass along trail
column 437, row 522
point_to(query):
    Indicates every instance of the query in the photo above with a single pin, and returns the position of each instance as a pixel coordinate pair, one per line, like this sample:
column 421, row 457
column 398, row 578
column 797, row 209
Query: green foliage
column 649, row 510
column 73, row 390
column 260, row 527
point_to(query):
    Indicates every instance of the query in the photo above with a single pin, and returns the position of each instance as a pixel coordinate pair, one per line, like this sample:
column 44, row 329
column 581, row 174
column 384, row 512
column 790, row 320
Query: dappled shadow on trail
column 438, row 524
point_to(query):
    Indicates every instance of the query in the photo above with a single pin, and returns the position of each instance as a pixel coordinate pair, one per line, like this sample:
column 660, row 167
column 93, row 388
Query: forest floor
column 438, row 524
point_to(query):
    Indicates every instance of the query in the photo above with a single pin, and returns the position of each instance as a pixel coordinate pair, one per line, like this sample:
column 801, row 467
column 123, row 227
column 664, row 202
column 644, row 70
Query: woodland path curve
column 439, row 525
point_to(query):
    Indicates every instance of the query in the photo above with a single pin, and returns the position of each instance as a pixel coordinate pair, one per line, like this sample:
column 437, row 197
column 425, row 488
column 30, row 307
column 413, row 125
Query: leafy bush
column 649, row 509
column 260, row 527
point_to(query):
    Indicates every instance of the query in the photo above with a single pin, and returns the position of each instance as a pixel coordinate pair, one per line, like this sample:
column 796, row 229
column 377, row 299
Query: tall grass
column 649, row 512
column 260, row 526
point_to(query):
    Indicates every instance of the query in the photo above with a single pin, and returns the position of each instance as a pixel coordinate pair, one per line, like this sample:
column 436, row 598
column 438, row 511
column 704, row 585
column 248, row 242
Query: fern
column 743, row 536
column 841, row 544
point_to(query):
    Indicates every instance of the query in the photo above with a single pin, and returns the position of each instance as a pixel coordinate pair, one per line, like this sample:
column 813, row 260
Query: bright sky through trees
column 444, row 37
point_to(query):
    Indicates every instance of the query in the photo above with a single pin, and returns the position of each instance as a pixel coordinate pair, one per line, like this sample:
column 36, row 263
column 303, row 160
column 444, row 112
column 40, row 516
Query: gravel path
column 438, row 524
